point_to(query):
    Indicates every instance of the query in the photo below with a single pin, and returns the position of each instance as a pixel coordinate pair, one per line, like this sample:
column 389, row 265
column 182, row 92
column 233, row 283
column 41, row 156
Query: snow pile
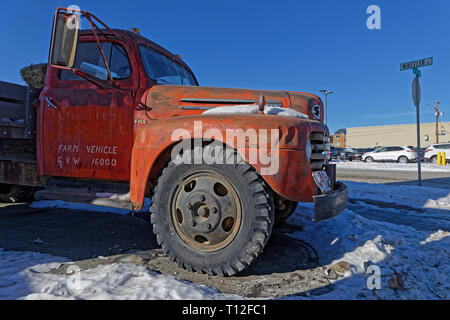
column 114, row 196
column 430, row 167
column 26, row 275
column 76, row 206
column 59, row 204
column 254, row 109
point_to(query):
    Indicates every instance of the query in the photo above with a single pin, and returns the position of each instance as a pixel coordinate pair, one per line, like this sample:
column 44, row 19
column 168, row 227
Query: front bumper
column 330, row 205
column 333, row 202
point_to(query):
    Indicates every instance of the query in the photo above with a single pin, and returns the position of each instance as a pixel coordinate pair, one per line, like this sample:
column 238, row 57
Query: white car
column 397, row 154
column 432, row 150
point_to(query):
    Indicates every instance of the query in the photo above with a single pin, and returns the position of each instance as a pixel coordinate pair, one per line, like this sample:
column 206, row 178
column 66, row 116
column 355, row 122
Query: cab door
column 87, row 131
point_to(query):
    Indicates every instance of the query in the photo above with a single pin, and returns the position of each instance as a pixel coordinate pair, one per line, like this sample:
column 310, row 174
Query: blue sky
column 282, row 45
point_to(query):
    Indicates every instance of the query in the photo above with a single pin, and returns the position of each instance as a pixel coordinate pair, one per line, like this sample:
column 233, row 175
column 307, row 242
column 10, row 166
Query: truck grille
column 318, row 146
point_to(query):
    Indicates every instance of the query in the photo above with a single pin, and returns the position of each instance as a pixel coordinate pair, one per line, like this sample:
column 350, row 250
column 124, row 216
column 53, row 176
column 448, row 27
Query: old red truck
column 110, row 121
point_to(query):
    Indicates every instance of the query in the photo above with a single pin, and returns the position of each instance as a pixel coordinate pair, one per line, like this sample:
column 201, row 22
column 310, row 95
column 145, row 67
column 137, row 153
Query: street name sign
column 416, row 64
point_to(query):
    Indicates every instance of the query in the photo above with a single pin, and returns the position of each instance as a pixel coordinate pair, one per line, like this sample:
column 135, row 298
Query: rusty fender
column 293, row 180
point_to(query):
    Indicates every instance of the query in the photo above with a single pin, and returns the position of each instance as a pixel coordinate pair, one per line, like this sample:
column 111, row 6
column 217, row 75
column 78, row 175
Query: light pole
column 437, row 114
column 326, row 93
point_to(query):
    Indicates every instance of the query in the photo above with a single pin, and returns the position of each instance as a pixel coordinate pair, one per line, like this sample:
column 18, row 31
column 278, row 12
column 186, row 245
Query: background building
column 339, row 138
column 396, row 135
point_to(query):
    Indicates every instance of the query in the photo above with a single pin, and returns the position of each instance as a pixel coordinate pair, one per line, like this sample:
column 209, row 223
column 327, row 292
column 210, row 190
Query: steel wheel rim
column 206, row 211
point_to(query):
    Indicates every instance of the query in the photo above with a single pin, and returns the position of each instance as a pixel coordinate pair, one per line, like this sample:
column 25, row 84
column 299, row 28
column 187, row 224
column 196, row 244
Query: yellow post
column 443, row 159
column 438, row 158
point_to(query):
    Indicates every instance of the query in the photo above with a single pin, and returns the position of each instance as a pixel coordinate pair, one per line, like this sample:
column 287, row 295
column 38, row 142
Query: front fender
column 290, row 177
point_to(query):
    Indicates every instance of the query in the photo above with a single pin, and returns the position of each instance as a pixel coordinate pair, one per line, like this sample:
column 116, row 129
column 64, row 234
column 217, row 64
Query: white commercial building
column 396, row 135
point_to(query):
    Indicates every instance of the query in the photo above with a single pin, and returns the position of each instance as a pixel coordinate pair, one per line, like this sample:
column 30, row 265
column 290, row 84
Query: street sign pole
column 416, row 95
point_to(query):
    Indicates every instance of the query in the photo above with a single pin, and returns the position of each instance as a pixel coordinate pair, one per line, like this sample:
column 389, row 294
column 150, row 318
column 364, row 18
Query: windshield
column 164, row 70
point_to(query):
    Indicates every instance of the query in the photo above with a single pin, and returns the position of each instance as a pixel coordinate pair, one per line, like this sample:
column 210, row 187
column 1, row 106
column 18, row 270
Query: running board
column 82, row 195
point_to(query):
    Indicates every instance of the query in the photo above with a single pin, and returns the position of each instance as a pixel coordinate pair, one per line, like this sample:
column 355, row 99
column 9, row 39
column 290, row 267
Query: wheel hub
column 206, row 211
column 204, row 214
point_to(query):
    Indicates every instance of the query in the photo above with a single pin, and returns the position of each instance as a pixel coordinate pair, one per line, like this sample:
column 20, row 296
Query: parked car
column 421, row 151
column 340, row 154
column 357, row 154
column 332, row 154
column 432, row 150
column 400, row 154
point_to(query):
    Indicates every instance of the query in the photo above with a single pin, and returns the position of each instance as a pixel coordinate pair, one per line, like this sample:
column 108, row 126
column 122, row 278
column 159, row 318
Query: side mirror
column 63, row 47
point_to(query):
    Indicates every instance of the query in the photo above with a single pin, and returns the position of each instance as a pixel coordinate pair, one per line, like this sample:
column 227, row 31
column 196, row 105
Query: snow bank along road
column 391, row 243
column 394, row 173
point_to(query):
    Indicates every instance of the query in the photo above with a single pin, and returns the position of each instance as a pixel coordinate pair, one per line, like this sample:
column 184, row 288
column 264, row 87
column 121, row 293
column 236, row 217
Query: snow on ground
column 430, row 167
column 26, row 275
column 419, row 251
column 408, row 239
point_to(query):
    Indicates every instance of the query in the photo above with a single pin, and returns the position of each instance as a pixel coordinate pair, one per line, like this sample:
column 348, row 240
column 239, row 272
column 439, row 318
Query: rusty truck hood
column 169, row 100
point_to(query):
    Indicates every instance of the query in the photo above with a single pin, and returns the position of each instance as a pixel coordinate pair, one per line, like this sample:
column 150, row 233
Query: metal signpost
column 416, row 95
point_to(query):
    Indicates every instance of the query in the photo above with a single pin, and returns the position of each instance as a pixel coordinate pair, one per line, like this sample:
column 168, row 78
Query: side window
column 164, row 70
column 119, row 64
column 443, row 146
column 89, row 59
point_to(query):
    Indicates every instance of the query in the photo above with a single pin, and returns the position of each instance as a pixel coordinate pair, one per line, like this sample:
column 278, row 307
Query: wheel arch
column 154, row 143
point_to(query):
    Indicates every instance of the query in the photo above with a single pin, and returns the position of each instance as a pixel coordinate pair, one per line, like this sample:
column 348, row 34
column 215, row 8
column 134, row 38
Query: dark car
column 332, row 154
column 356, row 155
column 341, row 155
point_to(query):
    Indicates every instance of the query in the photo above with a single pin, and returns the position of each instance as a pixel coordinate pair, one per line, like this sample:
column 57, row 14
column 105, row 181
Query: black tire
column 13, row 193
column 283, row 209
column 369, row 160
column 253, row 232
column 433, row 159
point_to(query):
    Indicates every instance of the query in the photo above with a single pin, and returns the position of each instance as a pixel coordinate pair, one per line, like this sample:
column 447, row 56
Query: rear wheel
column 213, row 219
column 403, row 159
column 369, row 159
column 10, row 193
column 283, row 209
column 433, row 159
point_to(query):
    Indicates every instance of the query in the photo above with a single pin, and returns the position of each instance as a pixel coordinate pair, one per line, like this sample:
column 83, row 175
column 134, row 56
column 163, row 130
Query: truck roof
column 137, row 38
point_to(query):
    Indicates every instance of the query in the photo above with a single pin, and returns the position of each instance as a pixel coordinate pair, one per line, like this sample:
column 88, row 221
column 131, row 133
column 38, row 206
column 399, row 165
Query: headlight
column 316, row 111
column 308, row 150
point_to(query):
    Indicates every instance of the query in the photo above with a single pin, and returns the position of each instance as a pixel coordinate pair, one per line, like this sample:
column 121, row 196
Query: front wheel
column 369, row 159
column 213, row 219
